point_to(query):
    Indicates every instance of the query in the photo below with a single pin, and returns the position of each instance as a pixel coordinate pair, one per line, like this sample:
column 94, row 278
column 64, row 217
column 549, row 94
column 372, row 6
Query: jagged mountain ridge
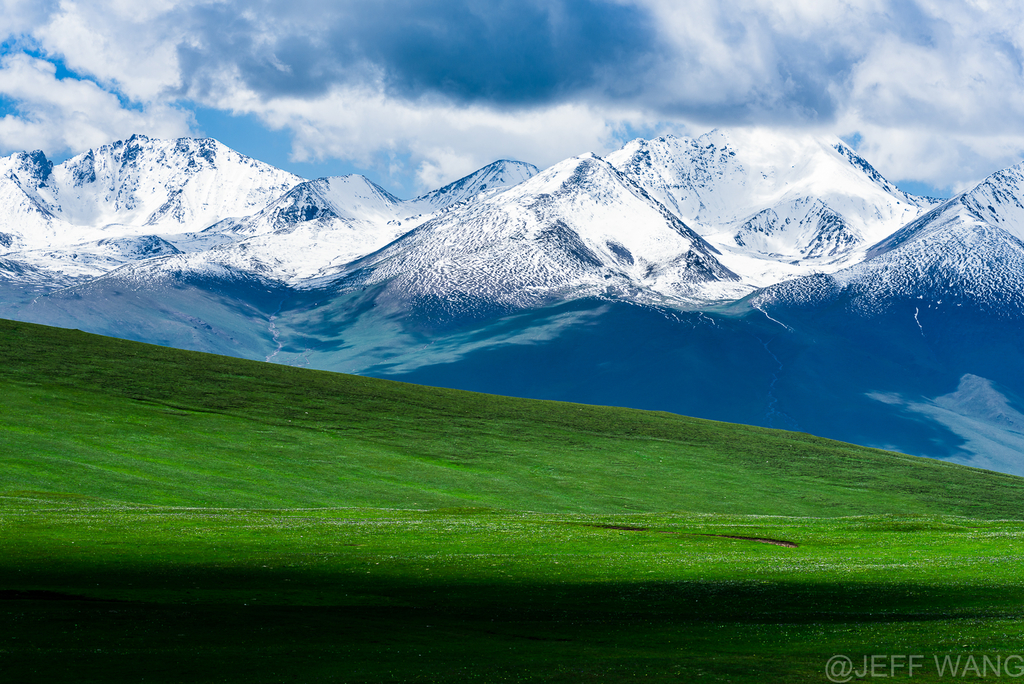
column 969, row 251
column 312, row 228
column 204, row 203
column 321, row 225
column 128, row 201
column 354, row 198
column 134, row 187
column 500, row 174
column 777, row 206
column 579, row 228
column 175, row 186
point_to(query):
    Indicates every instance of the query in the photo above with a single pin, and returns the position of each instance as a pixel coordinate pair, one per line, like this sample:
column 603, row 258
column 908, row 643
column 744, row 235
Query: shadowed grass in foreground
column 363, row 595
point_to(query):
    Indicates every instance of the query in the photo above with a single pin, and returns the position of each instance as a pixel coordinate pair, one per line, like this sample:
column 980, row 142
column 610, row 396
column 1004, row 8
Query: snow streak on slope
column 579, row 228
column 776, row 205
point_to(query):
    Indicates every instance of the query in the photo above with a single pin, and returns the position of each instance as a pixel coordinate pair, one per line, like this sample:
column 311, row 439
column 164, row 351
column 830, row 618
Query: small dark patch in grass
column 763, row 540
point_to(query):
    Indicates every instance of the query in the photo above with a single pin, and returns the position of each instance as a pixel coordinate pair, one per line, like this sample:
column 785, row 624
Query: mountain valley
column 741, row 276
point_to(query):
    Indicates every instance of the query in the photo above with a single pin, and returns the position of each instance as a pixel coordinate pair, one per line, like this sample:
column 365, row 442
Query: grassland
column 177, row 517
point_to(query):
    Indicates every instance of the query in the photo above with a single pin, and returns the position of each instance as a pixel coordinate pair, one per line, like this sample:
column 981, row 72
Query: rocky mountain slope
column 577, row 229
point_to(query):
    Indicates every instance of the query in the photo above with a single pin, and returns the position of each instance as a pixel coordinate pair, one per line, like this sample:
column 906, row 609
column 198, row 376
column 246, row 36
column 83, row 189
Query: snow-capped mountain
column 967, row 251
column 315, row 225
column 355, row 200
column 205, row 204
column 128, row 201
column 579, row 228
column 28, row 218
column 166, row 186
column 139, row 186
column 500, row 174
column 319, row 226
column 352, row 200
column 322, row 224
column 621, row 281
column 776, row 205
column 773, row 207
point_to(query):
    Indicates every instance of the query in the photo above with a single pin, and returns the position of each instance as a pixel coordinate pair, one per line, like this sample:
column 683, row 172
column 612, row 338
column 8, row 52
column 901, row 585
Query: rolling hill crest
column 742, row 275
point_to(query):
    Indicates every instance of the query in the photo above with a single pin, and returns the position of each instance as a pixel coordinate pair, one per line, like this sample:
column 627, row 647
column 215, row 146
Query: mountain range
column 742, row 275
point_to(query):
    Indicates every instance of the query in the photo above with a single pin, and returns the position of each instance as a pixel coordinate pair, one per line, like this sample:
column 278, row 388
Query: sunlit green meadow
column 176, row 517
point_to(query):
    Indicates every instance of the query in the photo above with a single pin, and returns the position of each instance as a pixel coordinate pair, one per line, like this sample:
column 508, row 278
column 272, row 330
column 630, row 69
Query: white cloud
column 441, row 142
column 947, row 109
column 72, row 115
column 128, row 45
column 935, row 88
column 18, row 17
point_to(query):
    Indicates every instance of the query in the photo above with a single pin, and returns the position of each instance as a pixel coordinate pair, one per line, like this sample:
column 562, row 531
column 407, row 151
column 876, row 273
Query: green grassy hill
column 120, row 421
column 168, row 516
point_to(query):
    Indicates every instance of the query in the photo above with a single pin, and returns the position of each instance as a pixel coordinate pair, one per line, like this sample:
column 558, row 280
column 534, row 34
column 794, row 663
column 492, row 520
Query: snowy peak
column 354, row 198
column 999, row 200
column 723, row 177
column 995, row 206
column 26, row 219
column 579, row 228
column 807, row 225
column 135, row 187
column 771, row 195
column 585, row 180
column 320, row 225
column 317, row 224
column 967, row 251
column 500, row 174
column 860, row 163
column 177, row 185
column 32, row 169
column 714, row 216
column 32, row 172
column 348, row 198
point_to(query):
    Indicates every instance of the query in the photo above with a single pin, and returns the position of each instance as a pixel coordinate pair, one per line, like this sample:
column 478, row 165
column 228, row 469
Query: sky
column 417, row 93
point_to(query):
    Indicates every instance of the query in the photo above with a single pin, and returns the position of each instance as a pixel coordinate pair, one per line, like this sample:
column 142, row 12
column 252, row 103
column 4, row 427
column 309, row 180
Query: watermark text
column 842, row 668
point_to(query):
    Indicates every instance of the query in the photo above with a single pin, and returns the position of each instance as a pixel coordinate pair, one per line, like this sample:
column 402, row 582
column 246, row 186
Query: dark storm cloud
column 501, row 53
column 713, row 65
